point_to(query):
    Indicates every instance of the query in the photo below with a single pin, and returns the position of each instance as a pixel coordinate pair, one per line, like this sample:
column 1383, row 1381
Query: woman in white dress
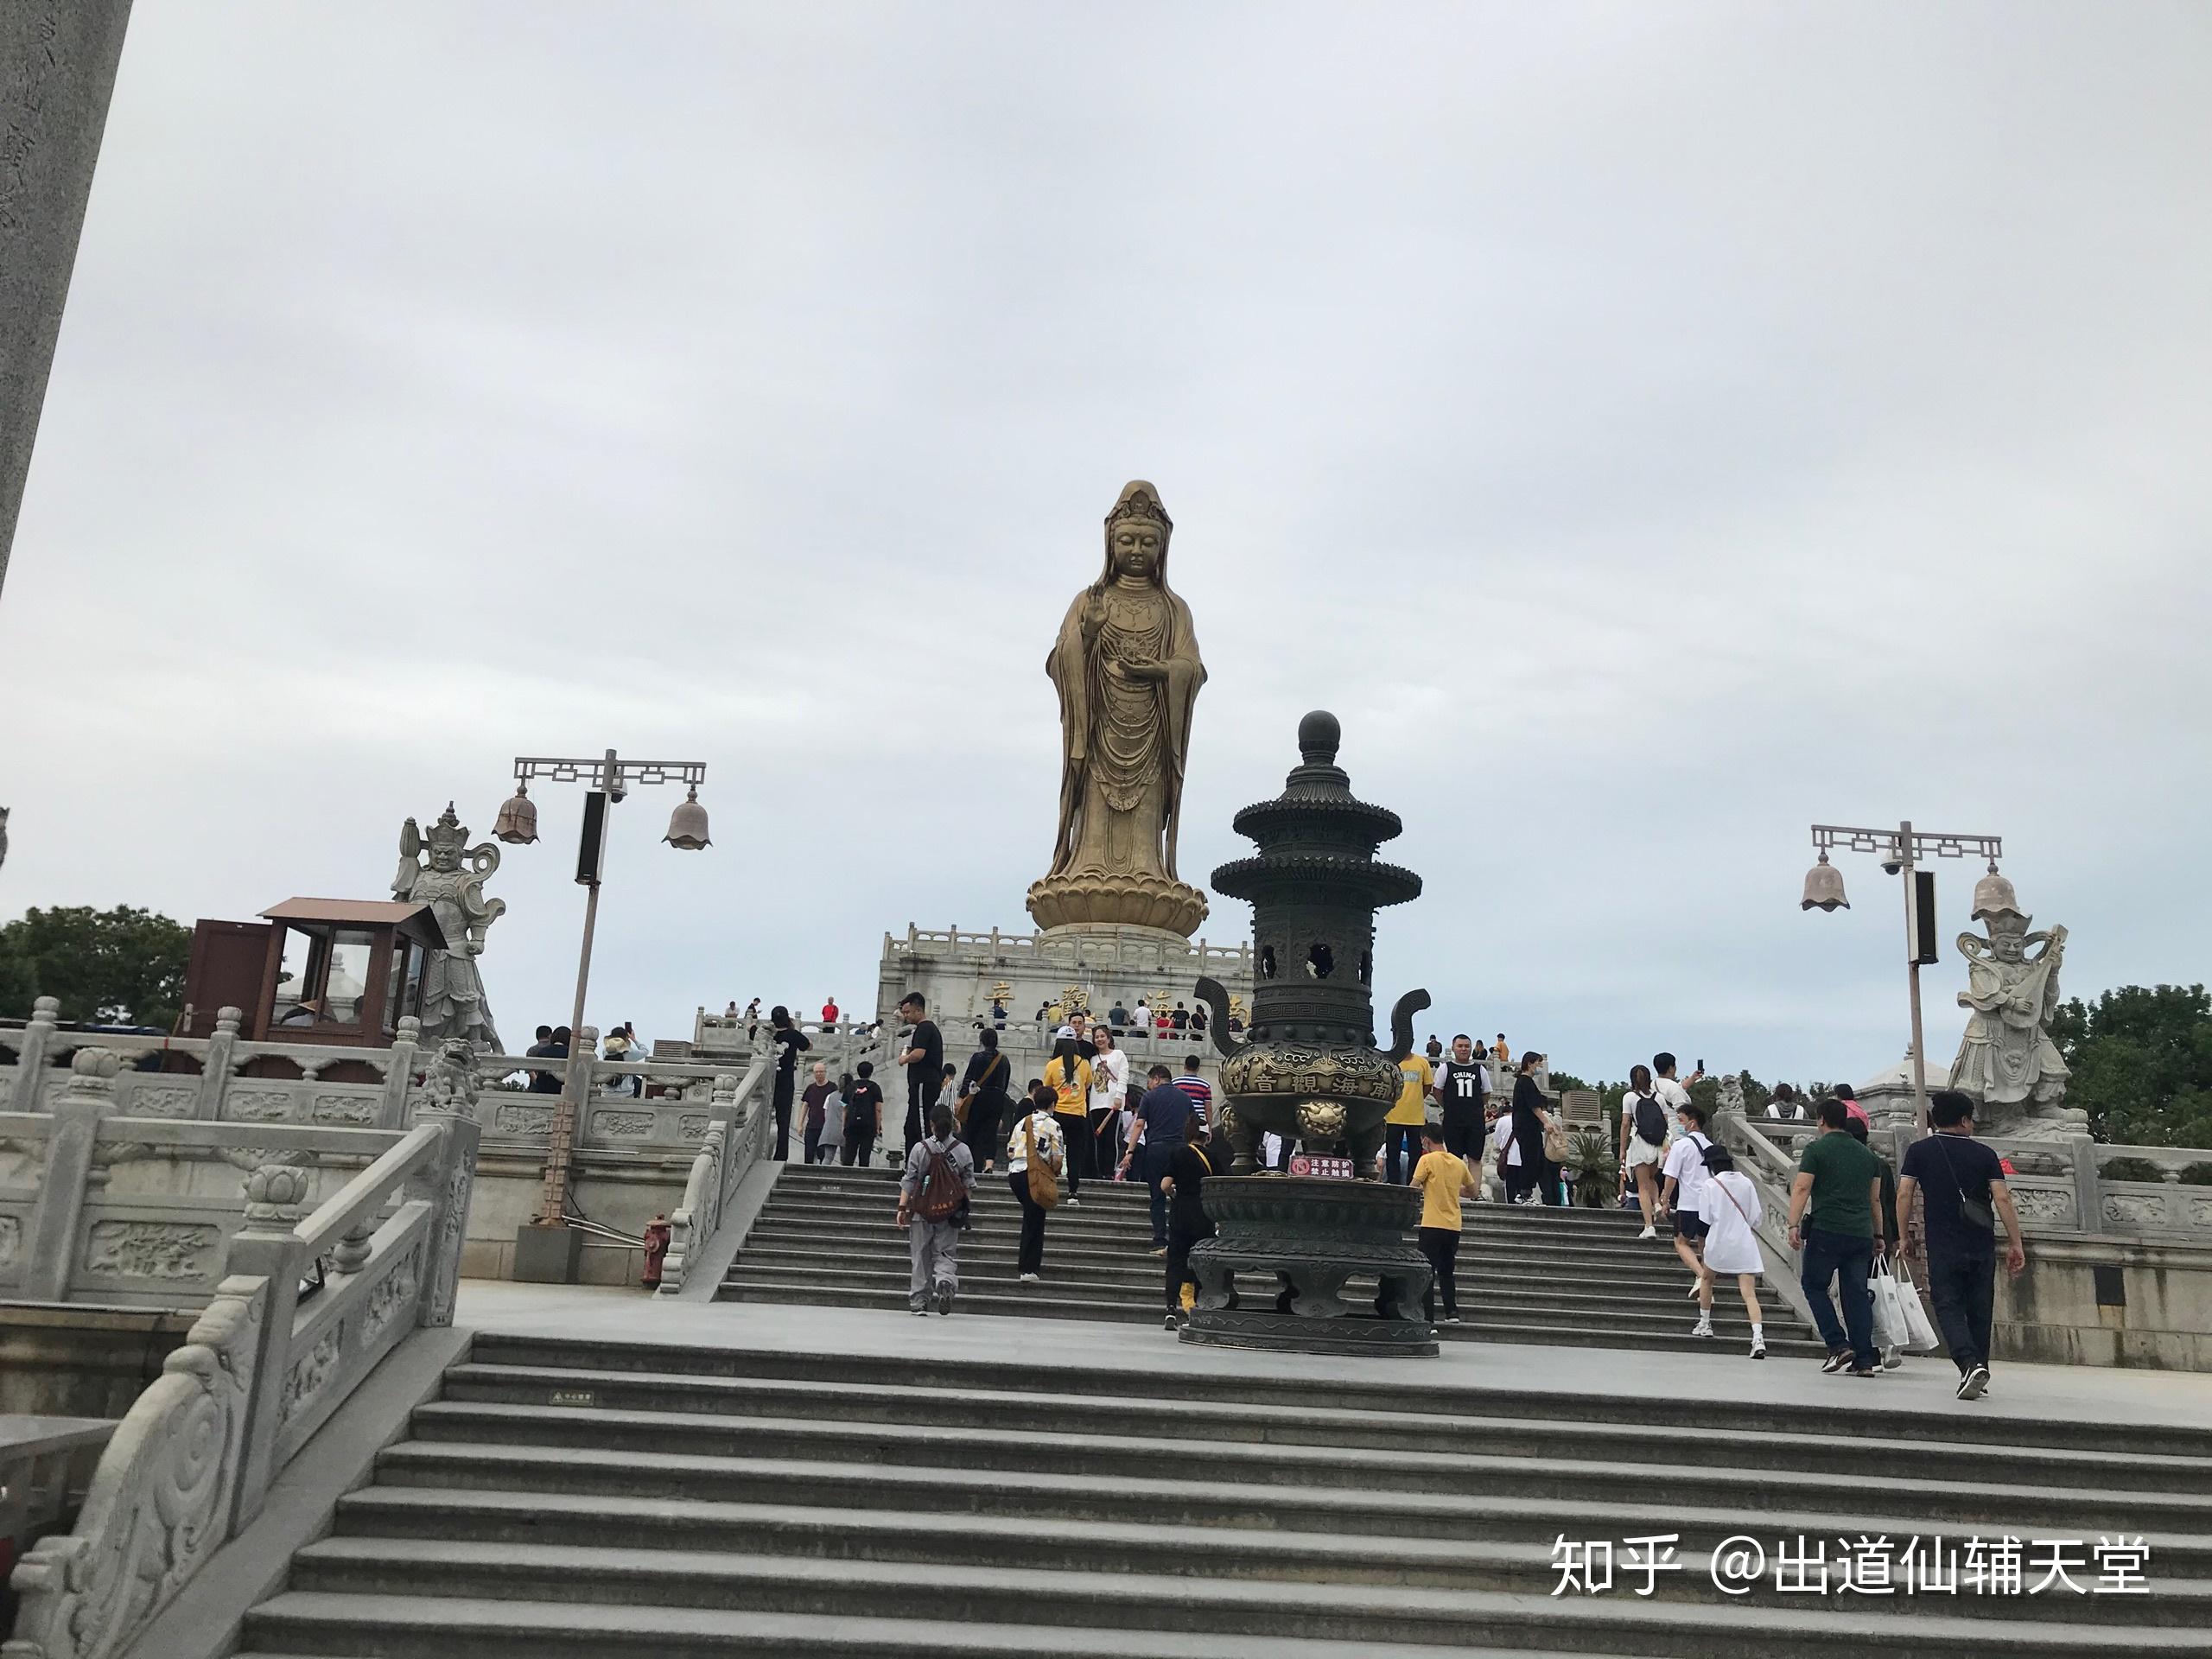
column 1732, row 1241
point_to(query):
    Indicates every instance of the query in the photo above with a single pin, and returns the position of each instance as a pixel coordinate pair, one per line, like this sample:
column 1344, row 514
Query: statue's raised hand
column 1094, row 612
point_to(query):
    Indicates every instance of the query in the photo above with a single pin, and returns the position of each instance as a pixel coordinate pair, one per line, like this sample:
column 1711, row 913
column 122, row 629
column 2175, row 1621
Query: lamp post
column 610, row 780
column 1901, row 851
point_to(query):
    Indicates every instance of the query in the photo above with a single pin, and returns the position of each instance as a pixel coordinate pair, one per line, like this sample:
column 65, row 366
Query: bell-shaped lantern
column 518, row 820
column 687, row 825
column 1824, row 886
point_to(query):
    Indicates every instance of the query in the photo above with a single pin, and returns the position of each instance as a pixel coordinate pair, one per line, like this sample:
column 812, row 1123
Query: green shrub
column 2197, row 1174
column 2130, row 1169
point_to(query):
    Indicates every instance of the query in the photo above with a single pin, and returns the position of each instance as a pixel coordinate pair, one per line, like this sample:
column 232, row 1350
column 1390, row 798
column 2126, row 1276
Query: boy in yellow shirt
column 1442, row 1179
column 1401, row 1128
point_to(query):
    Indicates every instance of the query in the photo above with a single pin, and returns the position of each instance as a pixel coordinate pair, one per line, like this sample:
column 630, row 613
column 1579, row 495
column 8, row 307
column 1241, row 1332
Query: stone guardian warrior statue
column 452, row 884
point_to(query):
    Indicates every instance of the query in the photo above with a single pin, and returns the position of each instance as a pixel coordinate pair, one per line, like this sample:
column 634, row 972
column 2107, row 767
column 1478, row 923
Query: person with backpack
column 1644, row 1143
column 1035, row 1154
column 1732, row 1239
column 933, row 1197
column 1962, row 1193
column 1683, row 1196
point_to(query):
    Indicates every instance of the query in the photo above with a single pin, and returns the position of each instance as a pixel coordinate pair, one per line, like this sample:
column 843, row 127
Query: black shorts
column 1690, row 1225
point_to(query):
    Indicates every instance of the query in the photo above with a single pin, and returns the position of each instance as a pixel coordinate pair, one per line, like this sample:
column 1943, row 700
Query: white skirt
column 1641, row 1151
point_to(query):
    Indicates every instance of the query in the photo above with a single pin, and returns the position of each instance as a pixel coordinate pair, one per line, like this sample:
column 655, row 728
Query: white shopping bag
column 1890, row 1329
column 1922, row 1340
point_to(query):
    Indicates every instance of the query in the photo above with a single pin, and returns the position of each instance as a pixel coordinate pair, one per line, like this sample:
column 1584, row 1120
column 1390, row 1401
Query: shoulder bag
column 960, row 1107
column 1976, row 1212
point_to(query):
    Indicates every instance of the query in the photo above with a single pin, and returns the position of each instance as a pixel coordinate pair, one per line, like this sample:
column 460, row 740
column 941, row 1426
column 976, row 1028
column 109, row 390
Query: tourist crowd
column 1870, row 1235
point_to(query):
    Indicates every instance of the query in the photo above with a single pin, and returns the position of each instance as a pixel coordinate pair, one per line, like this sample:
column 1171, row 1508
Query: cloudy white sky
column 1651, row 430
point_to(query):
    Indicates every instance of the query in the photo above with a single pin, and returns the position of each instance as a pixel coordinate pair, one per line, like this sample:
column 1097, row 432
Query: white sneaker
column 1033, row 1278
column 1072, row 1204
column 1649, row 1232
column 1702, row 1328
column 1758, row 1347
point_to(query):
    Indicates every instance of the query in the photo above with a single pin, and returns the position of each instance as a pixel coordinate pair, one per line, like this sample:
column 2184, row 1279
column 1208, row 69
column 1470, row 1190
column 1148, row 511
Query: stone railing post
column 446, row 1184
column 30, row 1059
column 400, row 1077
column 216, row 1066
column 266, row 1246
column 88, row 1097
column 2089, row 1187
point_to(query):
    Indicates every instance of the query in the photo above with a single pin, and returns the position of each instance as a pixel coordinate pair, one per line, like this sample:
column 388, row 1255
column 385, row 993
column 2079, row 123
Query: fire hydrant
column 655, row 1247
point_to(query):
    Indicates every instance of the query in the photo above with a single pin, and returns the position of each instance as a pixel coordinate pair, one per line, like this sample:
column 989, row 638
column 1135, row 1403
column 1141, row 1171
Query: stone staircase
column 1575, row 1277
column 569, row 1498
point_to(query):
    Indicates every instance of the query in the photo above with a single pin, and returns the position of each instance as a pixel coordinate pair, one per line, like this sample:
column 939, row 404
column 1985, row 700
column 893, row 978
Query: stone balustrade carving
column 193, row 1460
column 736, row 1139
column 2058, row 1187
column 214, row 1087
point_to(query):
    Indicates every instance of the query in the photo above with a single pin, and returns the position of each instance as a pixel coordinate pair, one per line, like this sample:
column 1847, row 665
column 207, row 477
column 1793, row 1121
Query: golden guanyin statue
column 1126, row 665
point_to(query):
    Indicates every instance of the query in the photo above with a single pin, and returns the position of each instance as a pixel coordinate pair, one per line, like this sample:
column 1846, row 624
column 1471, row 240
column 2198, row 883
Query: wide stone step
column 1477, row 1251
column 1512, row 1324
column 638, row 1589
column 987, row 1255
column 1477, row 1295
column 1494, row 1512
column 953, row 1542
column 834, row 1221
column 1413, row 1390
column 937, row 1445
column 1860, row 1456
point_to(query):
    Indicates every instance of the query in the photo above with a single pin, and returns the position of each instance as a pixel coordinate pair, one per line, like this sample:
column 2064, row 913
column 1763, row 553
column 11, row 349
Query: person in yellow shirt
column 1442, row 1178
column 1067, row 1074
column 1500, row 1052
column 1401, row 1128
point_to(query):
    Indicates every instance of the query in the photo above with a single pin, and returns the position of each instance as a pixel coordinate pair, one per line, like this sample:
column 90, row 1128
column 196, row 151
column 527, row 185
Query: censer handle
column 1402, row 1024
column 1215, row 996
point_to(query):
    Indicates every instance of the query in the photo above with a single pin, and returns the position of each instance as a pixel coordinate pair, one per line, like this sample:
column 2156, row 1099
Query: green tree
column 2141, row 1059
column 124, row 966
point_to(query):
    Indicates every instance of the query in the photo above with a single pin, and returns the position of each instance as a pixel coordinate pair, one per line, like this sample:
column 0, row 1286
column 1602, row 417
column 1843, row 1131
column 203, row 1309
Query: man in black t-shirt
column 1961, row 1185
column 924, row 1062
column 863, row 1116
column 1459, row 1087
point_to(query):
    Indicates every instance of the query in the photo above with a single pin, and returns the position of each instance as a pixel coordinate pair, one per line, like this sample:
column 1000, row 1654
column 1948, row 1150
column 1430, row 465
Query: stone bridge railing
column 2059, row 1187
column 208, row 1078
column 265, row 1365
column 737, row 1139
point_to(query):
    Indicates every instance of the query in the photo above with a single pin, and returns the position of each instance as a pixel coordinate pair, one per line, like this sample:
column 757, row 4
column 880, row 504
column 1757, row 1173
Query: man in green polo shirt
column 1832, row 1220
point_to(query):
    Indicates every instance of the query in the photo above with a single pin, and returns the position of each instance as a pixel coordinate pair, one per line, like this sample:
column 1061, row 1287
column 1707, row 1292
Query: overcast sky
column 1651, row 430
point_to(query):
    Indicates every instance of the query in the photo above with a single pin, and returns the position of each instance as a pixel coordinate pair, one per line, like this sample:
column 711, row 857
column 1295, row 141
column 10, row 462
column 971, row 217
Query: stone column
column 57, row 69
